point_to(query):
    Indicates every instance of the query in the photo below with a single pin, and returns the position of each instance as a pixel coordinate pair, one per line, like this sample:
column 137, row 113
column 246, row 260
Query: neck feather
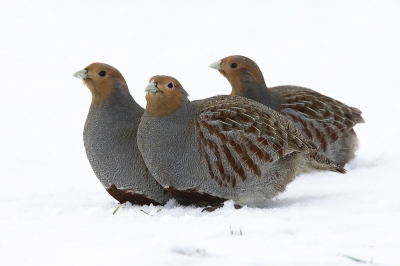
column 248, row 87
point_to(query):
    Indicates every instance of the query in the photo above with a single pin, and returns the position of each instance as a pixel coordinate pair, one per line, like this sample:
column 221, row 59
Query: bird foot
column 213, row 208
column 237, row 207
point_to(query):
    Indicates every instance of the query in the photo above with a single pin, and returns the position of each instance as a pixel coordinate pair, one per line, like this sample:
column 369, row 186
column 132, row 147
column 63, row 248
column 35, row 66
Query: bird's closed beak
column 81, row 74
column 216, row 65
column 152, row 88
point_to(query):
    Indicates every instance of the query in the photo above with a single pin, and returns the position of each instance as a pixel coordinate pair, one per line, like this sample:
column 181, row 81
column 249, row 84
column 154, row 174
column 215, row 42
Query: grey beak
column 81, row 74
column 216, row 65
column 151, row 88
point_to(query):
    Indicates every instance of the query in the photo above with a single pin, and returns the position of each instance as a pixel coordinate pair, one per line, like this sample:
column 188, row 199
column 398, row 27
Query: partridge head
column 164, row 96
column 102, row 80
column 240, row 71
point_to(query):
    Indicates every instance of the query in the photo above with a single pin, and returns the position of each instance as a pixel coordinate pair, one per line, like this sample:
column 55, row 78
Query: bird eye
column 233, row 65
column 170, row 85
column 102, row 73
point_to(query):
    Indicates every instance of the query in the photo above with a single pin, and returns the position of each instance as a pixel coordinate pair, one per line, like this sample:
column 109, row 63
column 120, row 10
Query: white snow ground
column 53, row 210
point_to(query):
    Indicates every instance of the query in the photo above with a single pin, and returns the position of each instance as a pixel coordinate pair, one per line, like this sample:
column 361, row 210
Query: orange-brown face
column 234, row 67
column 101, row 79
column 164, row 95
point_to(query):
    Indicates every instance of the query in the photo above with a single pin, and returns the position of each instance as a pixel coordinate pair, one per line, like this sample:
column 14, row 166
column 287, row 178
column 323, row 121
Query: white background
column 54, row 211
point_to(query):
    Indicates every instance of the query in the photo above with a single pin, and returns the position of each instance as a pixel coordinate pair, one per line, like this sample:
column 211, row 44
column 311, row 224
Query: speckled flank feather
column 225, row 147
column 324, row 120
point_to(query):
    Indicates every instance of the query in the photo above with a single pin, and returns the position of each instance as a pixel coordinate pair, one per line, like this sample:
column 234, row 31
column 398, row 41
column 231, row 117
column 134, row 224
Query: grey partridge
column 220, row 148
column 326, row 121
column 110, row 138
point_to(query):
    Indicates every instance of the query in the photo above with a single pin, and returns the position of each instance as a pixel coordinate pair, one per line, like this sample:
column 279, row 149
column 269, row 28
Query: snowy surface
column 55, row 212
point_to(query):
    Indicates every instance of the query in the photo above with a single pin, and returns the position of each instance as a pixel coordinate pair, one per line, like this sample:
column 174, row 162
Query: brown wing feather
column 240, row 138
column 319, row 117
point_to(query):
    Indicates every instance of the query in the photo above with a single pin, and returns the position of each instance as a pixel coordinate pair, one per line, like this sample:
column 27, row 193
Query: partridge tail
column 319, row 162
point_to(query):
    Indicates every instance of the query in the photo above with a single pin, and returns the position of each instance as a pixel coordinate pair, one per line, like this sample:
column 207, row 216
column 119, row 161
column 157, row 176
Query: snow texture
column 55, row 212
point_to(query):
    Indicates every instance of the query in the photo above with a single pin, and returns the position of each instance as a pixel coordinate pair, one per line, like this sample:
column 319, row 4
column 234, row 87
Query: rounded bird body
column 110, row 138
column 224, row 147
column 320, row 118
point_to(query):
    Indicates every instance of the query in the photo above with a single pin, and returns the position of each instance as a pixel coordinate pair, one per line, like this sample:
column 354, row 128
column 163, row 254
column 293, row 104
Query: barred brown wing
column 240, row 138
column 319, row 117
